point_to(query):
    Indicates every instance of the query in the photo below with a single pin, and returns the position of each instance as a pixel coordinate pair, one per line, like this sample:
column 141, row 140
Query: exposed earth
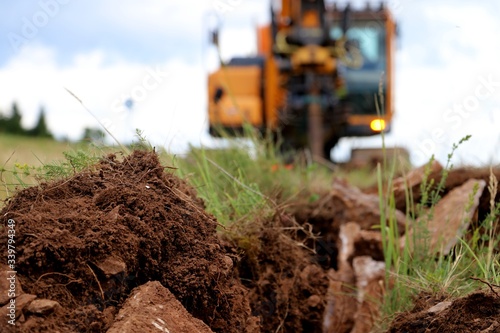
column 478, row 312
column 127, row 246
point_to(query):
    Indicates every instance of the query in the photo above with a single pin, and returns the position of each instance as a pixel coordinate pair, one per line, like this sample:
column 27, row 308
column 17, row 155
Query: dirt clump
column 287, row 287
column 87, row 241
column 477, row 312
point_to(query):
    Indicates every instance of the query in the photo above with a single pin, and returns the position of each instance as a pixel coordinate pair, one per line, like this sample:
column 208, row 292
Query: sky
column 157, row 54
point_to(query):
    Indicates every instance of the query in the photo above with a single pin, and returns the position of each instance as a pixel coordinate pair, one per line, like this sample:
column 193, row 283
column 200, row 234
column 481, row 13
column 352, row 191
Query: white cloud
column 155, row 15
column 446, row 49
column 454, row 52
column 169, row 109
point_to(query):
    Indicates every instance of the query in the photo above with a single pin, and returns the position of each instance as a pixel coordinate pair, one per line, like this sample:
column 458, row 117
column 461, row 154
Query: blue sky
column 78, row 27
column 157, row 51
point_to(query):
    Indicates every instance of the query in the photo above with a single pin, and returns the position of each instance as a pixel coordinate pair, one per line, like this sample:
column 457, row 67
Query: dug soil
column 476, row 313
column 288, row 287
column 87, row 241
column 91, row 245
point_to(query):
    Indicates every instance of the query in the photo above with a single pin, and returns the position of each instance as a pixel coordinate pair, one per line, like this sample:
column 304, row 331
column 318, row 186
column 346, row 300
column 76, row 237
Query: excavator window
column 370, row 40
column 363, row 83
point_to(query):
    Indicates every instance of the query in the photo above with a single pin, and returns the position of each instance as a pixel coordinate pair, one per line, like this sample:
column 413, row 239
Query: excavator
column 321, row 73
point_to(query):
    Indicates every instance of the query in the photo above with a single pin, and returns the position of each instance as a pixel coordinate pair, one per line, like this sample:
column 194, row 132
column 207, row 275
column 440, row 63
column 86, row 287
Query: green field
column 20, row 154
column 33, row 151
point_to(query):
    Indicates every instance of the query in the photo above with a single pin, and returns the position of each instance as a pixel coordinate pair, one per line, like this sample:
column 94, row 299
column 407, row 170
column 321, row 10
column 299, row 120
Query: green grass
column 21, row 158
column 248, row 181
column 32, row 151
column 18, row 154
column 416, row 268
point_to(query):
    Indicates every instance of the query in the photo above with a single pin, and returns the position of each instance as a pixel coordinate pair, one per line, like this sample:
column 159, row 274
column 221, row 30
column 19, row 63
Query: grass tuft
column 413, row 267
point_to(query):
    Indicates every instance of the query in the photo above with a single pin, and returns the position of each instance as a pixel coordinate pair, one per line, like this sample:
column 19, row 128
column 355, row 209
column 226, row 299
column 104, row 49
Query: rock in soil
column 370, row 275
column 354, row 242
column 152, row 308
column 42, row 307
column 412, row 181
column 341, row 304
column 455, row 178
column 343, row 204
column 450, row 220
column 9, row 285
column 88, row 240
column 439, row 307
column 14, row 309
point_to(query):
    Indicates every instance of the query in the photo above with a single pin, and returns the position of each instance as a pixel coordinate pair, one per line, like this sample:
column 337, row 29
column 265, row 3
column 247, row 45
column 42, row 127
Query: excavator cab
column 372, row 32
column 321, row 73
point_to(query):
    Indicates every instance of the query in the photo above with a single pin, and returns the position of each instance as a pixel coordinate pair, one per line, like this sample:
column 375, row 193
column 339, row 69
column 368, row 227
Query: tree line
column 11, row 124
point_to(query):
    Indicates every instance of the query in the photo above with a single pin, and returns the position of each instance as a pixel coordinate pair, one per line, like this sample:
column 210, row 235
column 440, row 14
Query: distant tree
column 3, row 122
column 93, row 134
column 13, row 124
column 40, row 129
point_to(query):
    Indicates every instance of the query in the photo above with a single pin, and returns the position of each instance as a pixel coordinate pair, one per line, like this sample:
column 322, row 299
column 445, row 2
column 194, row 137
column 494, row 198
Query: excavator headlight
column 377, row 125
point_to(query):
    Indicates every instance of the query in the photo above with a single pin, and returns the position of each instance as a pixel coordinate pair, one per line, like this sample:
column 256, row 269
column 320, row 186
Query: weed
column 142, row 143
column 74, row 161
column 248, row 177
column 124, row 149
column 412, row 266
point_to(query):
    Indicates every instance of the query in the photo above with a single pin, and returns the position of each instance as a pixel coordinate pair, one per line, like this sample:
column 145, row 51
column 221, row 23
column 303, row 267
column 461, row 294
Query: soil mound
column 87, row 241
column 478, row 312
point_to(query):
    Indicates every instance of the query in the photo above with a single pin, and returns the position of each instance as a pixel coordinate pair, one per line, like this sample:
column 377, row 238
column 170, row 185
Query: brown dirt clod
column 287, row 287
column 477, row 312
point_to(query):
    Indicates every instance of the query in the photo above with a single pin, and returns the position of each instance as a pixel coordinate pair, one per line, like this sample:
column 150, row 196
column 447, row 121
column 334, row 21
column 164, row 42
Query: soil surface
column 476, row 313
column 87, row 241
column 288, row 288
column 89, row 244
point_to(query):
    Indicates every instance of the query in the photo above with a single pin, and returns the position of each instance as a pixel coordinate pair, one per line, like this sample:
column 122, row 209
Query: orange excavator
column 321, row 73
